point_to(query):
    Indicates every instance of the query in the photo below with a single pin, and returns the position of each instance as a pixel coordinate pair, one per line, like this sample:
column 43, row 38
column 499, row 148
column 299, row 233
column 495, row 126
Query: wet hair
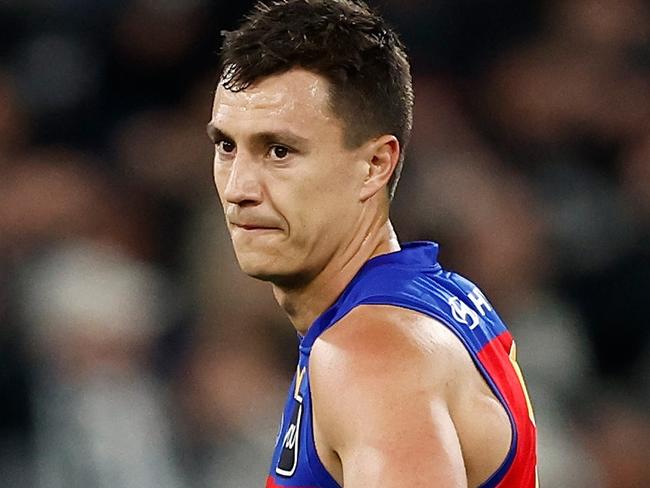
column 344, row 41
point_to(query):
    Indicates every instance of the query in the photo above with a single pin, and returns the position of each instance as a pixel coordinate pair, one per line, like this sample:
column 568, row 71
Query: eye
column 225, row 146
column 279, row 152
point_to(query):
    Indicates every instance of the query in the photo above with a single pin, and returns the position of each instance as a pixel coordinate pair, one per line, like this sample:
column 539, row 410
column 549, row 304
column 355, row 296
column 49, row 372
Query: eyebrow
column 215, row 134
column 262, row 138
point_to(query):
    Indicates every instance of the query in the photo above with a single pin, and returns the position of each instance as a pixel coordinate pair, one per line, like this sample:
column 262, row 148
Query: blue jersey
column 413, row 279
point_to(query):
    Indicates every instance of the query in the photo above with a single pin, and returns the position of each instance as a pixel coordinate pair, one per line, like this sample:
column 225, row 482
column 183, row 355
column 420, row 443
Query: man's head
column 343, row 41
column 309, row 120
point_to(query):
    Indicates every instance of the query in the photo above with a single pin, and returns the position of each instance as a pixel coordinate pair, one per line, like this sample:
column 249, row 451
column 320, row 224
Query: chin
column 270, row 272
column 257, row 266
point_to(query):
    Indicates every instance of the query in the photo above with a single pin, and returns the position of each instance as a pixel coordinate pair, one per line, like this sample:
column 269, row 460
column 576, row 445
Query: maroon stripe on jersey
column 495, row 358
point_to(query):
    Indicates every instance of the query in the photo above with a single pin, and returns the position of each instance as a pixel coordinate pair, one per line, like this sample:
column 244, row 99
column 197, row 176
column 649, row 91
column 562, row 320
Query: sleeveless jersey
column 413, row 279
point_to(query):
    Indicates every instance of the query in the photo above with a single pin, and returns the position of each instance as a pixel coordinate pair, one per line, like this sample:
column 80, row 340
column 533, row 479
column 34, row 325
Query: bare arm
column 381, row 403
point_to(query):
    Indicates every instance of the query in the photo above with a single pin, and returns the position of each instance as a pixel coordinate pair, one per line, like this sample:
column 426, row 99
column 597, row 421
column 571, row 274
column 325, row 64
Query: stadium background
column 132, row 351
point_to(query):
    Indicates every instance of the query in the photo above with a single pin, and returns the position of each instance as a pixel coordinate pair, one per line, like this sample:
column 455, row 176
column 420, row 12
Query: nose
column 243, row 185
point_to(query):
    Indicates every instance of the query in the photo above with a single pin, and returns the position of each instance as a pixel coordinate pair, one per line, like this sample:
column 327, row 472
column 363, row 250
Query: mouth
column 254, row 228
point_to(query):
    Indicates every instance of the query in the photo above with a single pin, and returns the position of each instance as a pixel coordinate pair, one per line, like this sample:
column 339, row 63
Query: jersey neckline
column 411, row 254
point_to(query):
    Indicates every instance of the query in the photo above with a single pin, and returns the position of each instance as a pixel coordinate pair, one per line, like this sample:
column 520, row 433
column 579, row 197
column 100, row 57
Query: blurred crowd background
column 133, row 353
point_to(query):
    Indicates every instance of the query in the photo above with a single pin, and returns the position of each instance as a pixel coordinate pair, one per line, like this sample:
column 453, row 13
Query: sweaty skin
column 405, row 406
column 305, row 212
column 307, row 221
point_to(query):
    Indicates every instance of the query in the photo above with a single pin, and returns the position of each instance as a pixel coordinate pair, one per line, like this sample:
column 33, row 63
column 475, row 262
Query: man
column 407, row 377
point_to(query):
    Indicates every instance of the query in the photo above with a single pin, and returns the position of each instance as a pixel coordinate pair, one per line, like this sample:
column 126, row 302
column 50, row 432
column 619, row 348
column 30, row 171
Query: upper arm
column 382, row 403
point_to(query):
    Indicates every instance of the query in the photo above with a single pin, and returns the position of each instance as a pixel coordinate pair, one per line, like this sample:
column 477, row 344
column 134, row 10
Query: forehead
column 297, row 98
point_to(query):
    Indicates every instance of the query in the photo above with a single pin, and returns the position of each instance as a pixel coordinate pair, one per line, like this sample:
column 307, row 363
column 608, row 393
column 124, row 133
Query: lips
column 253, row 226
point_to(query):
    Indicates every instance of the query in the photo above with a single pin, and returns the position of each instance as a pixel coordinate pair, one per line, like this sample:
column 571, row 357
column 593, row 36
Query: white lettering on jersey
column 288, row 461
column 463, row 313
column 291, row 437
column 479, row 301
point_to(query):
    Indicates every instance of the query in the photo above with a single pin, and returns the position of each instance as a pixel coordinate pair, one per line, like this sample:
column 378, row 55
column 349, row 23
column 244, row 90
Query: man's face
column 288, row 185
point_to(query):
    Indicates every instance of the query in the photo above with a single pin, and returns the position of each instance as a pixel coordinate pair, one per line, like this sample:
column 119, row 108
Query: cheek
column 327, row 201
column 333, row 174
column 338, row 187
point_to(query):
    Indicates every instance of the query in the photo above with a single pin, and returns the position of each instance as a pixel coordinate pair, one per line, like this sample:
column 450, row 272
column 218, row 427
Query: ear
column 381, row 157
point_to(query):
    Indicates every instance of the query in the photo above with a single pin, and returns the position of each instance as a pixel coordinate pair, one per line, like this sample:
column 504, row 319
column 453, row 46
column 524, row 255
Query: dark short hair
column 342, row 40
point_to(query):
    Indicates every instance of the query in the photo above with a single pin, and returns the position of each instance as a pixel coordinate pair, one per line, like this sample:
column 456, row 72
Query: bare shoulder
column 384, row 342
column 380, row 383
column 385, row 377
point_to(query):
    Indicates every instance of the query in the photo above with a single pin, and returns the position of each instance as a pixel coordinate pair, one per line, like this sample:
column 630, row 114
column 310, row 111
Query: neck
column 304, row 304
